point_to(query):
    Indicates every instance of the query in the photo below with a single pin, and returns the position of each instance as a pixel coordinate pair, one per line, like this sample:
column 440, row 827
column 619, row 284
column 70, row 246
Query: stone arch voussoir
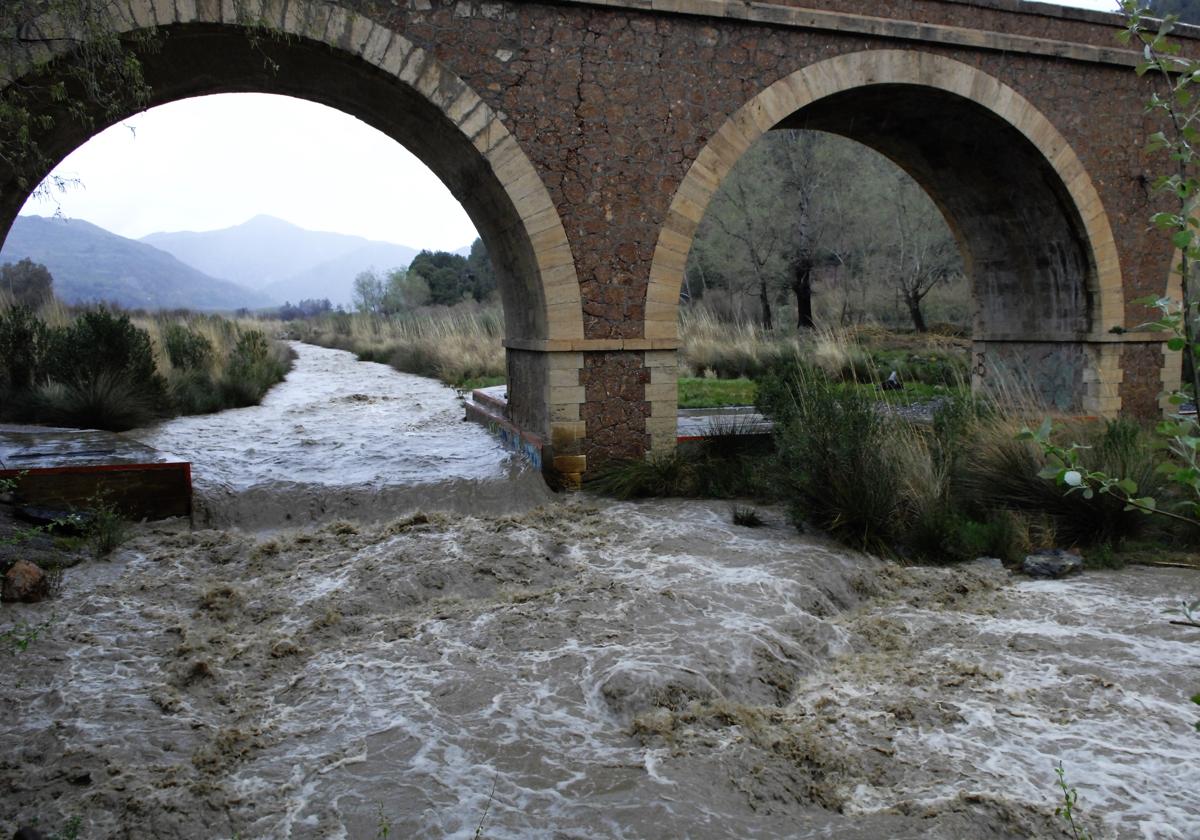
column 396, row 56
column 844, row 73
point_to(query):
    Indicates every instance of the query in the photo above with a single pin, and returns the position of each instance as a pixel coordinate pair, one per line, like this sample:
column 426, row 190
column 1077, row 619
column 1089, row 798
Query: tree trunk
column 764, row 301
column 802, row 289
column 914, row 309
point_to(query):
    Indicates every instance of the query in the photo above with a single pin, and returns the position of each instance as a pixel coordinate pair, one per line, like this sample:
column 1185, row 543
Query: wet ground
column 577, row 668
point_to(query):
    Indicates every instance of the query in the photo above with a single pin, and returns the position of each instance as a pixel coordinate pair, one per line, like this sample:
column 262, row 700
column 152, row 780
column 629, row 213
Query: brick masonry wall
column 615, row 408
column 611, row 106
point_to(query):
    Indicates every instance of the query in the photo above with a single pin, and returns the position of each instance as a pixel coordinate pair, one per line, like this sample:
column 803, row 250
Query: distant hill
column 334, row 279
column 283, row 260
column 90, row 263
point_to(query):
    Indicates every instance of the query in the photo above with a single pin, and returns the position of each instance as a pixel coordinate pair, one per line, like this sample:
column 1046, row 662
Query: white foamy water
column 341, row 437
column 593, row 670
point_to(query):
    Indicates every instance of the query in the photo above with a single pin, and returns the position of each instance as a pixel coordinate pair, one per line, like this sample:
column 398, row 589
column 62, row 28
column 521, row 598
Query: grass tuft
column 747, row 517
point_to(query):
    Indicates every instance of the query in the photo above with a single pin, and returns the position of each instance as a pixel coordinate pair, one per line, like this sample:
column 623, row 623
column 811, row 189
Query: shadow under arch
column 339, row 58
column 1035, row 237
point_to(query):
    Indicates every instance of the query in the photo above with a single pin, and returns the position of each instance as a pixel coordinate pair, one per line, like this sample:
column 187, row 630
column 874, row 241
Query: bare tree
column 924, row 254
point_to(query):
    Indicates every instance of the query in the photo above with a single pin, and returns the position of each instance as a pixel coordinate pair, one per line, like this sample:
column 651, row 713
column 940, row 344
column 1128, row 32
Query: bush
column 109, row 400
column 102, row 356
column 999, row 472
column 194, row 392
column 253, row 368
column 29, row 283
column 24, row 347
column 187, row 350
column 670, row 474
column 843, row 471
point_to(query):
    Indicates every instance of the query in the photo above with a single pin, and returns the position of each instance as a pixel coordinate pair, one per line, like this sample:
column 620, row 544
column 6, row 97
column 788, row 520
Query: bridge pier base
column 591, row 406
column 1120, row 374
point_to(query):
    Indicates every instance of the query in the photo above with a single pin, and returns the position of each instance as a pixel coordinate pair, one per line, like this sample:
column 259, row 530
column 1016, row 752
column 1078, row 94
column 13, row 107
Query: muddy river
column 521, row 665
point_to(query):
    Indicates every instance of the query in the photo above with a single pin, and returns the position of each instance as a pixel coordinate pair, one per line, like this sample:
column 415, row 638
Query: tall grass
column 211, row 363
column 455, row 344
column 96, row 367
column 711, row 346
column 729, row 350
column 963, row 487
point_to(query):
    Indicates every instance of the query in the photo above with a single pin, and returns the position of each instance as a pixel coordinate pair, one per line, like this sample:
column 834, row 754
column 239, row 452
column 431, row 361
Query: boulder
column 990, row 564
column 26, row 582
column 1054, row 563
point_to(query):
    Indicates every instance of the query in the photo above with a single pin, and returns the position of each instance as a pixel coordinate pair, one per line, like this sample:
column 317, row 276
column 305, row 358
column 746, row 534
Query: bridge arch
column 325, row 53
column 1034, row 234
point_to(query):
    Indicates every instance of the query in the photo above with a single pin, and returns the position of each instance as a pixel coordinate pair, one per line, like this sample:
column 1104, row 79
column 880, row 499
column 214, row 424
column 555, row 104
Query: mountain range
column 90, row 264
column 259, row 263
column 282, row 260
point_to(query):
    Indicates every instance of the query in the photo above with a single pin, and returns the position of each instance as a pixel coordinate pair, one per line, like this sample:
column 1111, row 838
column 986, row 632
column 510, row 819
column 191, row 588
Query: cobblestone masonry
column 584, row 138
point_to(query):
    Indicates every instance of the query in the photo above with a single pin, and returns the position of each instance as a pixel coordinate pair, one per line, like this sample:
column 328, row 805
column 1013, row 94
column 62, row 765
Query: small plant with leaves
column 1067, row 809
column 70, row 831
column 383, row 823
column 21, row 635
column 107, row 529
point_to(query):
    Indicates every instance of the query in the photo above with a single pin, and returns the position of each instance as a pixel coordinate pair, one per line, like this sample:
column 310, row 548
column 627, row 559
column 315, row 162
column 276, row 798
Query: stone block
column 570, row 464
column 662, row 329
column 565, row 361
column 164, row 12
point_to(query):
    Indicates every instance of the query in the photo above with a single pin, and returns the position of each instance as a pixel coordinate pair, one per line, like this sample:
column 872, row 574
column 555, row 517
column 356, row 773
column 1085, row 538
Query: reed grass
column 456, row 345
column 95, row 367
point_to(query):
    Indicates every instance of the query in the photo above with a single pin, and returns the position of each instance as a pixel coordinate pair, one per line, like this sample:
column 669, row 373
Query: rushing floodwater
column 581, row 669
column 343, row 437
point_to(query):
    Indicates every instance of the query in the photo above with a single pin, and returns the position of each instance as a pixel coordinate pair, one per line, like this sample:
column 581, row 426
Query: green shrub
column 187, row 350
column 103, row 342
column 103, row 375
column 194, row 392
column 670, row 474
column 254, row 366
column 24, row 347
column 106, row 400
column 942, row 535
column 928, row 367
column 746, row 516
column 842, row 472
column 999, row 472
column 107, row 529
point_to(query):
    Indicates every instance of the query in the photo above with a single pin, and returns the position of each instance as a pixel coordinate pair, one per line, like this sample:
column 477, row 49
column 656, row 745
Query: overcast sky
column 216, row 161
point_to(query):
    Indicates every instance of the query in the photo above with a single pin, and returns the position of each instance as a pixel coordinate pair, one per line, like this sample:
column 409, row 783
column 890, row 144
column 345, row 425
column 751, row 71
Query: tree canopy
column 807, row 214
column 29, row 283
column 439, row 278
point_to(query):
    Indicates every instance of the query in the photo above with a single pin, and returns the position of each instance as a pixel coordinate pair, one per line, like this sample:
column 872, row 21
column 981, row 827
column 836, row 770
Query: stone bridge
column 585, row 138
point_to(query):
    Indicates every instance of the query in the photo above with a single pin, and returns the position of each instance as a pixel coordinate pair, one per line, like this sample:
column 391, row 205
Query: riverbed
column 570, row 667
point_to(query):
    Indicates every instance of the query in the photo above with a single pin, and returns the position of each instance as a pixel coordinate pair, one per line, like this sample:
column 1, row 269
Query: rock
column 991, row 564
column 25, row 582
column 28, row 833
column 1054, row 563
column 60, row 521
